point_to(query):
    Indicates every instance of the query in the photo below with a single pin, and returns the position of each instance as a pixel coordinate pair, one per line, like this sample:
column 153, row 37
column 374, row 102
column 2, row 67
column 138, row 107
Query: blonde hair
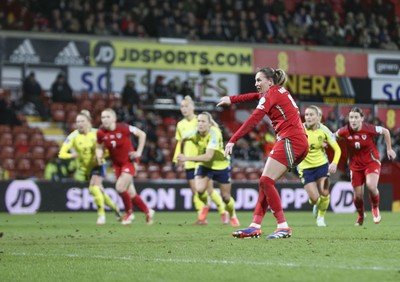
column 110, row 111
column 317, row 109
column 210, row 119
column 86, row 114
column 188, row 99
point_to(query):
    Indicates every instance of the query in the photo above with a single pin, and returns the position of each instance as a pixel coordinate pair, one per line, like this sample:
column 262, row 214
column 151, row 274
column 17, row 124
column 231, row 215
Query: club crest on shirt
column 119, row 135
column 260, row 103
column 364, row 137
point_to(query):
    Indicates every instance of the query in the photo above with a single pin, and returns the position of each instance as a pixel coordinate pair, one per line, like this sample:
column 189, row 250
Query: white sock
column 255, row 225
column 283, row 225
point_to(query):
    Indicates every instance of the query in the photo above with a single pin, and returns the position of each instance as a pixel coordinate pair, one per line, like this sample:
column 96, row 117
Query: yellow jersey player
column 315, row 169
column 212, row 164
column 80, row 144
column 184, row 126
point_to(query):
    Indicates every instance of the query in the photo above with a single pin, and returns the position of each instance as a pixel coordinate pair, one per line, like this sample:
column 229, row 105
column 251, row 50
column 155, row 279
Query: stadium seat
column 155, row 175
column 239, row 176
column 68, row 107
column 169, row 175
column 253, row 176
column 4, row 128
column 8, row 164
column 38, row 152
column 38, row 165
column 141, row 175
column 7, row 152
column 153, row 168
column 58, row 115
column 5, row 141
column 85, row 104
column 71, row 116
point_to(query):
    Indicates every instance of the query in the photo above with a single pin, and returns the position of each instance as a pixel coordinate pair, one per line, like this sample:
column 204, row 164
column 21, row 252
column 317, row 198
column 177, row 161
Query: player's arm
column 330, row 137
column 178, row 148
column 246, row 127
column 99, row 153
column 241, row 98
column 388, row 140
column 206, row 157
column 141, row 135
column 65, row 151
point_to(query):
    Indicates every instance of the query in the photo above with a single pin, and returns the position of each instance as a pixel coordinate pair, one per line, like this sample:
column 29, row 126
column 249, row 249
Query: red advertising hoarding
column 313, row 62
column 390, row 117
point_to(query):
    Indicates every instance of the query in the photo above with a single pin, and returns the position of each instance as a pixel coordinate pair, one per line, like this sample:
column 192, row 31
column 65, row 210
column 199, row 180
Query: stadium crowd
column 350, row 23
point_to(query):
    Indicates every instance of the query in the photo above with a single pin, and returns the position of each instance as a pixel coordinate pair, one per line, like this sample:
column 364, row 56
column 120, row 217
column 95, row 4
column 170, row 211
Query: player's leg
column 323, row 201
column 374, row 197
column 217, row 200
column 202, row 183
column 140, row 204
column 357, row 181
column 198, row 204
column 122, row 186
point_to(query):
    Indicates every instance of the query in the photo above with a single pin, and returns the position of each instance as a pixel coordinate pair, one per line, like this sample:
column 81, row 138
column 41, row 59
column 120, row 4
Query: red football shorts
column 358, row 177
column 127, row 168
column 290, row 151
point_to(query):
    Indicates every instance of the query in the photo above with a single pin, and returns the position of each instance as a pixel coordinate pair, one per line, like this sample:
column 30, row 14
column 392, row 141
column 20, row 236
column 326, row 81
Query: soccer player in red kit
column 289, row 150
column 116, row 138
column 364, row 160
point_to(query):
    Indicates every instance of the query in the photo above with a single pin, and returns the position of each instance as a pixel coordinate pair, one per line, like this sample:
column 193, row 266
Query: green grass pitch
column 70, row 247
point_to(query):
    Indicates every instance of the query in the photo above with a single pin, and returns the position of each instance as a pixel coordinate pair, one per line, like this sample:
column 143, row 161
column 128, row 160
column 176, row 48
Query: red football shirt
column 360, row 145
column 279, row 106
column 118, row 142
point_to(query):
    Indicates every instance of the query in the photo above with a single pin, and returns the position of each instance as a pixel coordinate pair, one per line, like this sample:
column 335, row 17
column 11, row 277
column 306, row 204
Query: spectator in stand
column 158, row 90
column 61, row 91
column 130, row 96
column 186, row 90
column 56, row 169
column 152, row 154
column 7, row 113
column 290, row 149
column 32, row 96
column 115, row 137
column 364, row 160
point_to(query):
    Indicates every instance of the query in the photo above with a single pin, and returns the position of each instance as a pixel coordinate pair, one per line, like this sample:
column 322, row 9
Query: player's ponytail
column 278, row 75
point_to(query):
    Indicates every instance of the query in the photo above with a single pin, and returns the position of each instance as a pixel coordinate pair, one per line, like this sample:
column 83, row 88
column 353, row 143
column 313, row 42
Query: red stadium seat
column 9, row 164
column 7, row 152
column 58, row 115
column 38, row 152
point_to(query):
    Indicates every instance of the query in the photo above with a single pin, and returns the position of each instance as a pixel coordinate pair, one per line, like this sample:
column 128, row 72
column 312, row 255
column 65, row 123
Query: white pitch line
column 197, row 261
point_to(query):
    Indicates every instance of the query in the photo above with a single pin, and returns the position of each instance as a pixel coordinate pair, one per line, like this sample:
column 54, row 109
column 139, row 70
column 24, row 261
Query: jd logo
column 342, row 198
column 104, row 53
column 22, row 196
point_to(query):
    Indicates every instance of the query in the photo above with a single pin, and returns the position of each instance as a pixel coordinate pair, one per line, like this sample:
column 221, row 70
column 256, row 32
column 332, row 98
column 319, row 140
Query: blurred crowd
column 350, row 23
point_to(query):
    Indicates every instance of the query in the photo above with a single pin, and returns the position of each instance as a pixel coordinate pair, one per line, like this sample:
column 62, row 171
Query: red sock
column 273, row 199
column 261, row 207
column 137, row 201
column 126, row 199
column 374, row 200
column 359, row 203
